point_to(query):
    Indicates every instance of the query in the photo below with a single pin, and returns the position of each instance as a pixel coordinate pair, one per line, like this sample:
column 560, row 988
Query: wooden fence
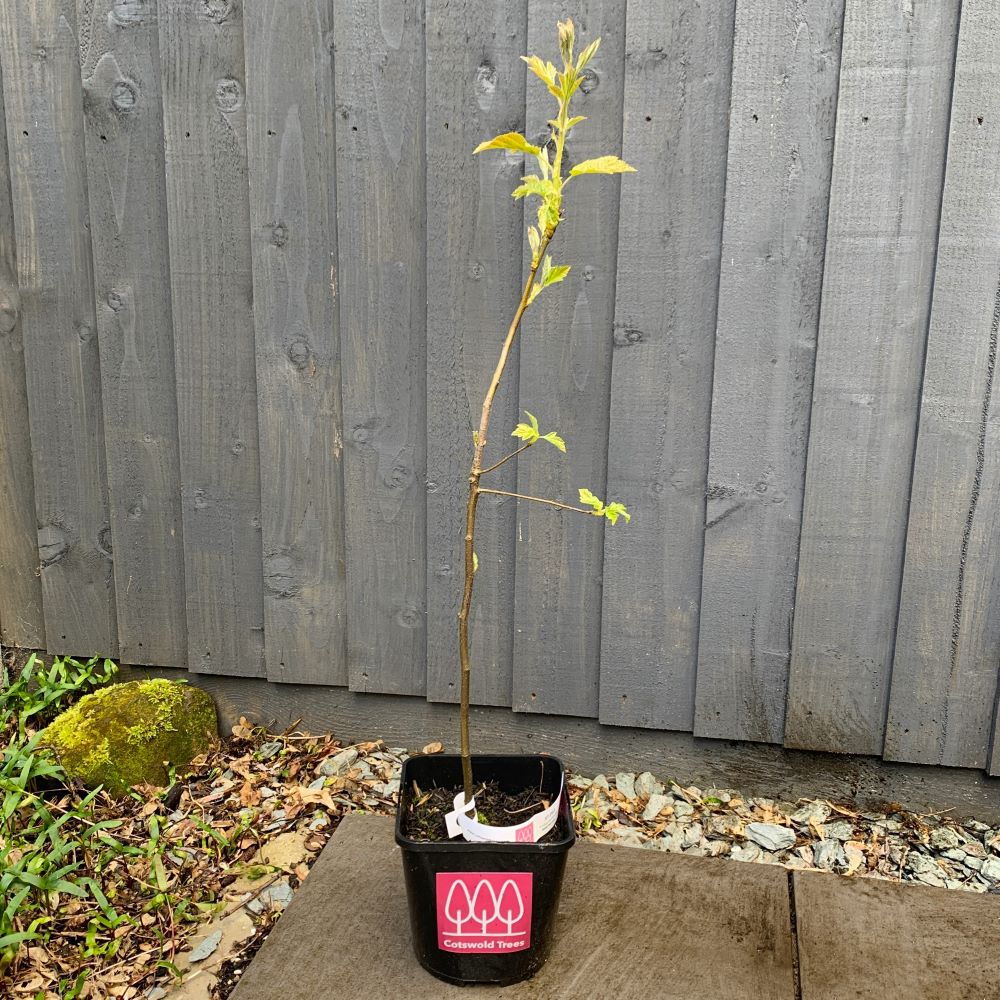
column 252, row 283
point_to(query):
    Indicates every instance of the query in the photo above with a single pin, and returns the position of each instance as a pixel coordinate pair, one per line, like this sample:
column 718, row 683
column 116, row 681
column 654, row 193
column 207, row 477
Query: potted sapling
column 484, row 838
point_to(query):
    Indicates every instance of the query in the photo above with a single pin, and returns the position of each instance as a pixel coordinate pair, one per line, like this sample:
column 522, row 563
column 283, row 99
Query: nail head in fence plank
column 381, row 198
column 784, row 99
column 123, row 128
column 293, row 216
column 55, row 276
column 21, row 617
column 735, row 938
column 678, row 65
column 565, row 377
column 867, row 938
column 948, row 635
column 892, row 117
column 475, row 90
column 204, row 117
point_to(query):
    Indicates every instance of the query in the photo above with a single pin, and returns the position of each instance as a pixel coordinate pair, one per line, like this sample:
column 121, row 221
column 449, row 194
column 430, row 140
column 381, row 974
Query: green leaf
column 588, row 498
column 555, row 274
column 573, row 122
column 566, row 39
column 587, row 54
column 509, row 140
column 535, row 242
column 554, row 439
column 540, row 186
column 545, row 72
column 615, row 510
column 527, row 432
column 602, row 165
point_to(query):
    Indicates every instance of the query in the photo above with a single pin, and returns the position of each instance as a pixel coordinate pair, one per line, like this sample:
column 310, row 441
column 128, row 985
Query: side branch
column 551, row 503
column 513, row 454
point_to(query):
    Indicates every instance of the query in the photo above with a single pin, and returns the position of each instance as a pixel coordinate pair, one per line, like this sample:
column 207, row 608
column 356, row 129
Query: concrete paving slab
column 632, row 923
column 861, row 938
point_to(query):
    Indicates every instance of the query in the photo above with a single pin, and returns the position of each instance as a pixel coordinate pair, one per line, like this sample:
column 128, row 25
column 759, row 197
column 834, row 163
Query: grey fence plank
column 784, row 97
column 475, row 90
column 381, row 199
column 55, row 275
column 944, row 673
column 123, row 128
column 293, row 214
column 565, row 376
column 676, row 126
column 21, row 617
column 201, row 56
column 892, row 124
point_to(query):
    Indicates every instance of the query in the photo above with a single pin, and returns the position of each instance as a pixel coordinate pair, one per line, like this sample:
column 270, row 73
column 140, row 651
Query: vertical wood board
column 475, row 90
column 678, row 65
column 21, row 616
column 293, row 217
column 948, row 634
column 382, row 248
column 784, row 96
column 204, row 118
column 565, row 379
column 44, row 111
column 123, row 129
column 892, row 123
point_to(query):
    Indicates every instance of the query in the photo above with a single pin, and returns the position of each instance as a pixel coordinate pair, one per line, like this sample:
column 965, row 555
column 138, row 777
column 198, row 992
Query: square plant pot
column 484, row 912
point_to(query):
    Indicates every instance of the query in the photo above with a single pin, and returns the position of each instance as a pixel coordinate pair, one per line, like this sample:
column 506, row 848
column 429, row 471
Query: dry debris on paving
column 245, row 828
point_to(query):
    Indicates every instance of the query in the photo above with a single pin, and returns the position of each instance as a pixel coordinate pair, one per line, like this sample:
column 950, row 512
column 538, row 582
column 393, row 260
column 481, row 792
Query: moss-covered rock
column 126, row 734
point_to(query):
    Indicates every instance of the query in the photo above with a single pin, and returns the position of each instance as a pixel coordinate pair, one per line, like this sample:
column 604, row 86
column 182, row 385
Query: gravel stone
column 973, row 864
column 656, row 805
column 338, row 763
column 646, row 785
column 268, row 750
column 692, row 835
column 818, row 812
column 944, row 838
column 991, row 869
column 839, row 830
column 771, row 836
column 601, row 782
column 625, row 783
column 746, row 852
column 683, row 808
column 827, row 854
column 628, row 837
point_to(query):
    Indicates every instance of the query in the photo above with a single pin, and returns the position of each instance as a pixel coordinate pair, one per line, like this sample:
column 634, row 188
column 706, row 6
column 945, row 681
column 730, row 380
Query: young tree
column 548, row 186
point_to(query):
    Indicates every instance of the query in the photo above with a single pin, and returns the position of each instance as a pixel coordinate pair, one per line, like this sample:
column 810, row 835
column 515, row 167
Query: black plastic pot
column 483, row 913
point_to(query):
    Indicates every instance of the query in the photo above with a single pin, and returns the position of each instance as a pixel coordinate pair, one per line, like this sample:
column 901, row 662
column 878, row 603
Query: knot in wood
column 125, row 13
column 124, row 96
column 52, row 544
column 299, row 354
column 216, row 10
column 229, row 94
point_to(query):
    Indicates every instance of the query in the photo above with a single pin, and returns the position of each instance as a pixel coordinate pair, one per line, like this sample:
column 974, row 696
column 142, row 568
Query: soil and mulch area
column 240, row 834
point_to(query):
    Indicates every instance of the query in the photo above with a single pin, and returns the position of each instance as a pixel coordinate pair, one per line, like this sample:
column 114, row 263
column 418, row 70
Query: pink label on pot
column 484, row 911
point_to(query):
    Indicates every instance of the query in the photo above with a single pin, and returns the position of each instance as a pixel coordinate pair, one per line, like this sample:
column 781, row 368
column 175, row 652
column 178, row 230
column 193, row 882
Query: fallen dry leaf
column 436, row 747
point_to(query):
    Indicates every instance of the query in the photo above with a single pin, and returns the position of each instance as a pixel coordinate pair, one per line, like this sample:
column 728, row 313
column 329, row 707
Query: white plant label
column 462, row 821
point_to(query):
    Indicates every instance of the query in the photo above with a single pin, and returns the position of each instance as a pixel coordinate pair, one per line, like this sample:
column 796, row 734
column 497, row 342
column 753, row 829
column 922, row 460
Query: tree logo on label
column 484, row 911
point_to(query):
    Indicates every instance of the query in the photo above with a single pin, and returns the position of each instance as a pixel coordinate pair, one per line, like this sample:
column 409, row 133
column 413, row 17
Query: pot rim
column 506, row 847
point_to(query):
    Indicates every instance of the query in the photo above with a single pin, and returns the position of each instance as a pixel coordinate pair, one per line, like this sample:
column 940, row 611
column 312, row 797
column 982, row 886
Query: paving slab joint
column 793, row 921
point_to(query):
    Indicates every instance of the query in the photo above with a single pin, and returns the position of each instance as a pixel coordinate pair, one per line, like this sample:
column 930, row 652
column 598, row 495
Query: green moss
column 127, row 734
